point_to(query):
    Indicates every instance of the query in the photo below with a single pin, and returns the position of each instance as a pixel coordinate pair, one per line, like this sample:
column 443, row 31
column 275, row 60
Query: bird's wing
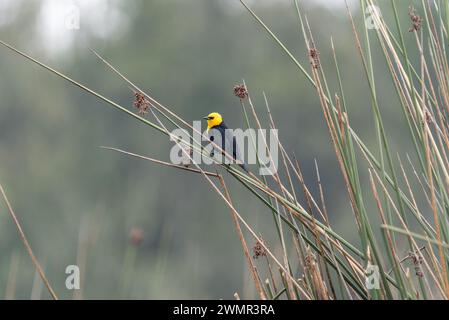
column 223, row 137
column 239, row 159
column 231, row 145
column 215, row 135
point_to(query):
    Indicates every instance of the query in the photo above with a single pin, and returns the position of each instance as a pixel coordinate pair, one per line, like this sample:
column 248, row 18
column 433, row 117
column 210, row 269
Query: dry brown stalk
column 27, row 245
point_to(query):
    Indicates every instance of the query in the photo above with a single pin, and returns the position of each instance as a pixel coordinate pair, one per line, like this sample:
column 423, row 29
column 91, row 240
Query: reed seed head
column 240, row 91
column 314, row 58
column 417, row 261
column 141, row 103
column 416, row 20
column 259, row 250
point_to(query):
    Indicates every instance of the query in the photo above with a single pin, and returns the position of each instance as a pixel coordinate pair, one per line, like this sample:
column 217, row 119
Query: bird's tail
column 244, row 167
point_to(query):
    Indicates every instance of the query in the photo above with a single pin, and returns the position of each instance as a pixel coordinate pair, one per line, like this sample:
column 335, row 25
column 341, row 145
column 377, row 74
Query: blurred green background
column 78, row 203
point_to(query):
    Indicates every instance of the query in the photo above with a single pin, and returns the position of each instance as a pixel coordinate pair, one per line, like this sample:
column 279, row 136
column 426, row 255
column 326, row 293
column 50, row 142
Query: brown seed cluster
column 428, row 117
column 314, row 58
column 417, row 261
column 310, row 260
column 259, row 250
column 141, row 103
column 240, row 91
column 136, row 236
column 416, row 20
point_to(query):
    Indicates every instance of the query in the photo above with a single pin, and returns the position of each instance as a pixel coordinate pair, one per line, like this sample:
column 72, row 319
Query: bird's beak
column 206, row 118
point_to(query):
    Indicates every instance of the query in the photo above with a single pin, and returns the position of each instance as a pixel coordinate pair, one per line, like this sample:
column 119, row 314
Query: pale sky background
column 59, row 20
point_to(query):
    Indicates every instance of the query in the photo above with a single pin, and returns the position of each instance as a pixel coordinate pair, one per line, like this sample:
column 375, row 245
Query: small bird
column 228, row 141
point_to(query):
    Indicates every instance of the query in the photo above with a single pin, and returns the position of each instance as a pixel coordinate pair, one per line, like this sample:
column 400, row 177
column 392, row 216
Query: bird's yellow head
column 213, row 119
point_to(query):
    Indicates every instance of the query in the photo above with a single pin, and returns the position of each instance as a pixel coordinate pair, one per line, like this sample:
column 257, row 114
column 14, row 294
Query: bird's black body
column 226, row 138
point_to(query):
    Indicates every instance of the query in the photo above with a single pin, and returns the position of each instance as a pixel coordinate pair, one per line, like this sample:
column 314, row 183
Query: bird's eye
column 212, row 118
